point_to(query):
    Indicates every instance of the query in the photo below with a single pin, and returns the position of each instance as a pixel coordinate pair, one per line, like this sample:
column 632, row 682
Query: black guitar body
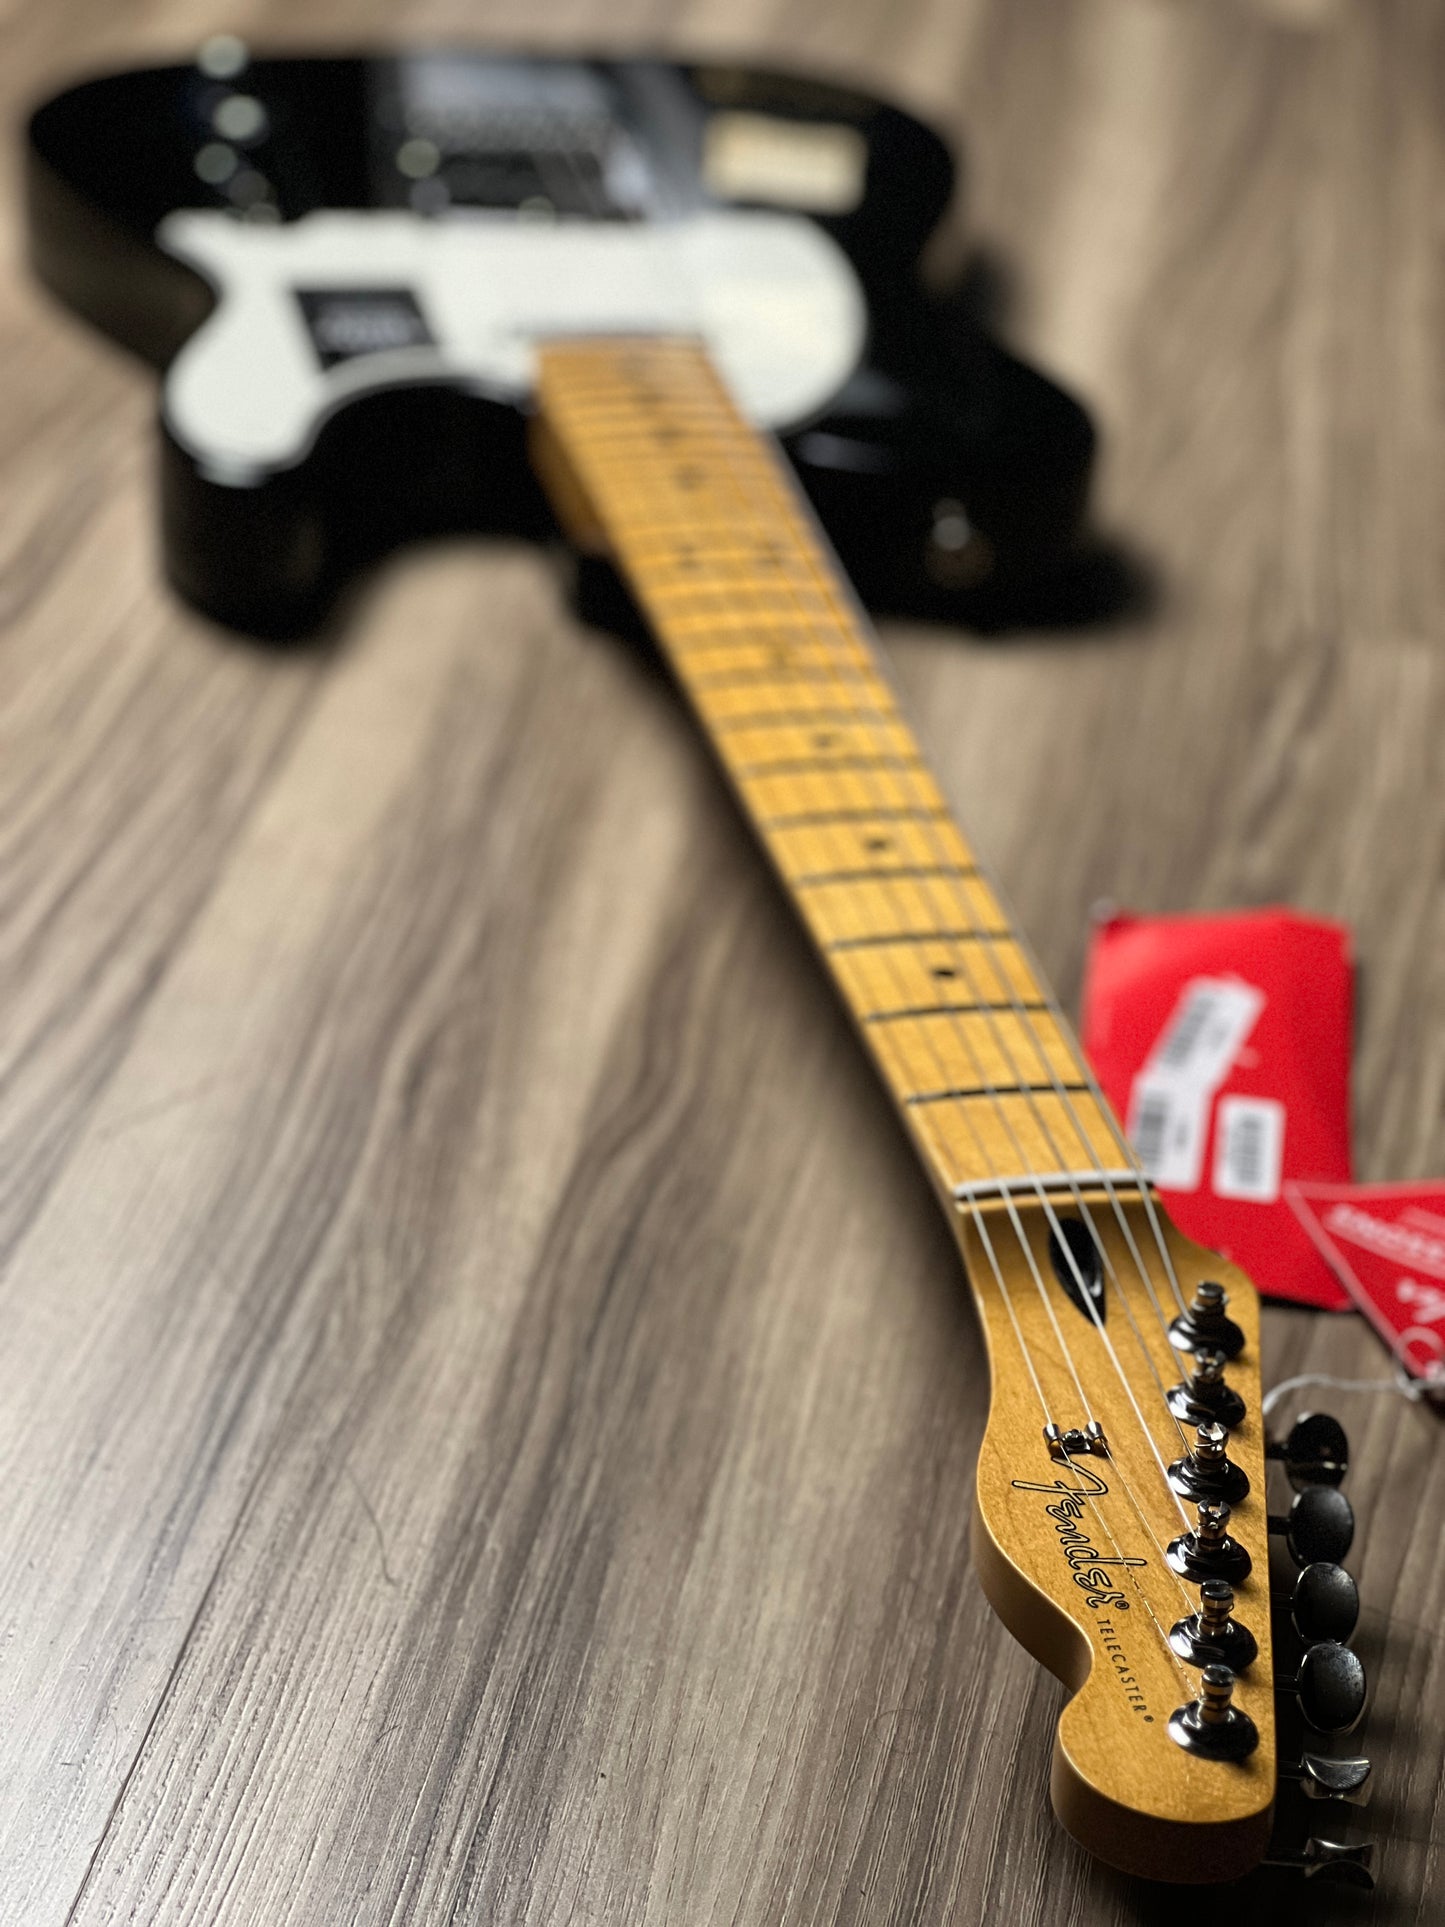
column 951, row 477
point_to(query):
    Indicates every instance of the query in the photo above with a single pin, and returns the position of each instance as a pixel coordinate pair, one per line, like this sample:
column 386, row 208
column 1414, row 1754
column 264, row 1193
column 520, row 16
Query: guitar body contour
column 951, row 477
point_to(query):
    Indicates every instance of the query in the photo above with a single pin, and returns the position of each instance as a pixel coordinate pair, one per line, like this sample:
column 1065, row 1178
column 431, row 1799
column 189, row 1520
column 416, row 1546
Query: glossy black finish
column 1232, row 1644
column 1202, row 1555
column 941, row 431
column 1229, row 1734
column 1325, row 1603
column 1319, row 1526
column 1206, row 1325
column 1315, row 1451
column 1204, row 1394
column 1079, row 1268
column 1330, row 1687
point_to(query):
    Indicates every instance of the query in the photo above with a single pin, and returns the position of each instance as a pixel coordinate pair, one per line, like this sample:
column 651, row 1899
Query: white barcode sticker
column 1168, row 1123
column 1249, row 1149
column 1170, row 1101
column 1210, row 1022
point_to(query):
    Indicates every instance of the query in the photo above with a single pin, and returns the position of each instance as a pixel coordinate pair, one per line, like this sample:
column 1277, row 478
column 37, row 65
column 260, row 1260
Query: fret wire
column 1076, row 1121
column 657, row 509
column 988, row 1091
column 912, row 1012
column 1113, row 1129
column 909, row 870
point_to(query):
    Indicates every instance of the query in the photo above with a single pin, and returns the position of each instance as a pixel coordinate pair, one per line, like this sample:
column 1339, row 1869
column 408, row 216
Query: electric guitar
column 673, row 296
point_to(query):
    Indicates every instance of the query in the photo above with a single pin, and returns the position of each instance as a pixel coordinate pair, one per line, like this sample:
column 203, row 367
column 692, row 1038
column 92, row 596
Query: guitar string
column 1083, row 1290
column 1030, row 1030
column 1085, row 1297
column 1047, row 1301
column 1026, row 1247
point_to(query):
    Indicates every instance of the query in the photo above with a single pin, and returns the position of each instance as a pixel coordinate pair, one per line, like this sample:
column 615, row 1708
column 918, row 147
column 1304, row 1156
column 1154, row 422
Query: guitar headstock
column 1122, row 1532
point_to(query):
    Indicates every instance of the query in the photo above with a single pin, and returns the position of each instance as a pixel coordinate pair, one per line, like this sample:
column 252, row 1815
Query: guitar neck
column 641, row 441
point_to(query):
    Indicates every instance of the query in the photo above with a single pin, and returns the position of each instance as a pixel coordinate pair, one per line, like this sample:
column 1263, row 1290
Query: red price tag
column 1386, row 1245
column 1224, row 1044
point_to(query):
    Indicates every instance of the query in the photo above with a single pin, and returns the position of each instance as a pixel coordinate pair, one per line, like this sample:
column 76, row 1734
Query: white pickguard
column 773, row 297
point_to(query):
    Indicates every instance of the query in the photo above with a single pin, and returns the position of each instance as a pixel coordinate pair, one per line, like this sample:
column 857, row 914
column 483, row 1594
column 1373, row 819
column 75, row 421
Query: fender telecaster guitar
column 652, row 274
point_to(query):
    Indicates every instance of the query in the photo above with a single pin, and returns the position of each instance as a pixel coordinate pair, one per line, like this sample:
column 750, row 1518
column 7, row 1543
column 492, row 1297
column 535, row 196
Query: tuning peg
column 1208, row 1552
column 1320, row 1778
column 1204, row 1323
column 1204, row 1394
column 1208, row 1472
column 1213, row 1725
column 1213, row 1633
column 1330, row 1687
column 1325, row 1603
column 1315, row 1451
column 1319, row 1526
column 1330, row 1859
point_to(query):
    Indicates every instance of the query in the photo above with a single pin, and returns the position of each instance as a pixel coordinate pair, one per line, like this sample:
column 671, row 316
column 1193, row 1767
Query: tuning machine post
column 1213, row 1634
column 1202, row 1395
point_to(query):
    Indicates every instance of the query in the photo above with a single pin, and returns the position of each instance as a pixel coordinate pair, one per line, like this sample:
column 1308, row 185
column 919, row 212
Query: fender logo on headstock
column 1086, row 1561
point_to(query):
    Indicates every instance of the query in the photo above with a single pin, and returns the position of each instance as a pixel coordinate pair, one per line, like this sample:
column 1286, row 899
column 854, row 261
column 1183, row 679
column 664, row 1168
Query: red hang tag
column 1386, row 1245
column 1224, row 1044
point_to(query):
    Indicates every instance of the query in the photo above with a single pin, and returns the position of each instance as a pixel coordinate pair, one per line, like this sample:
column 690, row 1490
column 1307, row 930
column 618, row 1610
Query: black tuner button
column 1330, row 1687
column 1212, row 1724
column 1319, row 1526
column 1213, row 1635
column 1315, row 1451
column 1205, row 1324
column 1325, row 1603
column 1204, row 1394
column 1209, row 1472
column 1325, row 1779
column 1208, row 1552
column 1330, row 1860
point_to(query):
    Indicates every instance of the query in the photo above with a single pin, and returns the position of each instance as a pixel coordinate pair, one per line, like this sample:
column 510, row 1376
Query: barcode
column 1249, row 1149
column 1178, row 1045
column 1151, row 1130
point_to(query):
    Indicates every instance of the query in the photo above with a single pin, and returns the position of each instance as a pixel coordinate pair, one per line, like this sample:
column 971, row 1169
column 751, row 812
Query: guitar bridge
column 1071, row 1444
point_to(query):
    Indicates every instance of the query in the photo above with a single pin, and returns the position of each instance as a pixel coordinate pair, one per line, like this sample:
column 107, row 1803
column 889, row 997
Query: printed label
column 1170, row 1101
column 1386, row 1248
column 1168, row 1123
column 1249, row 1149
column 347, row 322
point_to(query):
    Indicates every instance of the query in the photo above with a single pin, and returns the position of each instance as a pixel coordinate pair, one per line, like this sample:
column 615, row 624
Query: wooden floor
column 487, row 1408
